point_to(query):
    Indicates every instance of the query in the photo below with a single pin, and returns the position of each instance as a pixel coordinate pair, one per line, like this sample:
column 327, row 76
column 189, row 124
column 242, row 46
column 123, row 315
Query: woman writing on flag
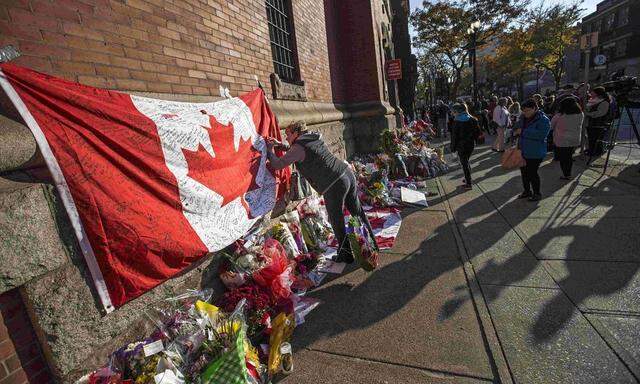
column 328, row 175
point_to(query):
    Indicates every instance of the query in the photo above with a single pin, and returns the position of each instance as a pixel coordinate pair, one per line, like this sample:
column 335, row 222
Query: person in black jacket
column 329, row 176
column 464, row 132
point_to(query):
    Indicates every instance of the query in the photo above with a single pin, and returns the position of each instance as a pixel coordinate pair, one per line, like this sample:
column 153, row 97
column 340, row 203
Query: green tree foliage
column 441, row 28
column 551, row 30
column 513, row 58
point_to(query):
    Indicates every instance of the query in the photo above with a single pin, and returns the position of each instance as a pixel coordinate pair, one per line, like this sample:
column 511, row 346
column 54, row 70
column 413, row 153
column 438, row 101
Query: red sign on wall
column 394, row 69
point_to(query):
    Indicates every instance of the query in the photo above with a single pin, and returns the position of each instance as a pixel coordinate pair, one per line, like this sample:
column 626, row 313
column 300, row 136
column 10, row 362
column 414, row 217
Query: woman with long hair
column 567, row 131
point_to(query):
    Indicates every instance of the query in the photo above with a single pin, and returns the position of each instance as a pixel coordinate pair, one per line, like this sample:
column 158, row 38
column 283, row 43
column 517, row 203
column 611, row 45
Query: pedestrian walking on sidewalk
column 442, row 111
column 533, row 131
column 567, row 132
column 328, row 175
column 493, row 103
column 464, row 132
column 502, row 121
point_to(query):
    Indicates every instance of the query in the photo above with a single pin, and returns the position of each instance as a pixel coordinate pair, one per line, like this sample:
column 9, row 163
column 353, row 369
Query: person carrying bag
column 535, row 128
column 512, row 156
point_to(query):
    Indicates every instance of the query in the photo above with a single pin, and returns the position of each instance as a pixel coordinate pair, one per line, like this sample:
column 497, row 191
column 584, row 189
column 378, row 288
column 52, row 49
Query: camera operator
column 598, row 113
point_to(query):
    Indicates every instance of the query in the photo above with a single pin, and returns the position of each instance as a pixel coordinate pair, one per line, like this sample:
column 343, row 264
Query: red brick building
column 328, row 57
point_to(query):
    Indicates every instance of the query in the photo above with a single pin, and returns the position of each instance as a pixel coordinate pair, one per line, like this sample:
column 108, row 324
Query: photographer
column 597, row 111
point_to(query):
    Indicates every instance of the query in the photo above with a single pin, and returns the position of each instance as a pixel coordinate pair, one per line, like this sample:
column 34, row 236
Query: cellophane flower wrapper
column 258, row 307
column 280, row 231
column 363, row 252
column 304, row 264
column 276, row 277
column 228, row 337
column 292, row 219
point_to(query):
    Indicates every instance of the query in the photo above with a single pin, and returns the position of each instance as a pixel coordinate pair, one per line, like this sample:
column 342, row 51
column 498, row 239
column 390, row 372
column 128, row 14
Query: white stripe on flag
column 63, row 189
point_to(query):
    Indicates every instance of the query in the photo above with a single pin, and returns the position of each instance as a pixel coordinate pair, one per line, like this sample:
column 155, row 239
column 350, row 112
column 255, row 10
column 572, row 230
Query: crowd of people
column 574, row 118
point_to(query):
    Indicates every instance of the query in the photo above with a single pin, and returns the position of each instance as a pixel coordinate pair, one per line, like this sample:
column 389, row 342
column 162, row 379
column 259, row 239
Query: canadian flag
column 150, row 186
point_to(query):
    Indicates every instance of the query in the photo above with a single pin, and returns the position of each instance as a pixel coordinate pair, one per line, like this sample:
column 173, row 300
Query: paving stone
column 552, row 207
column 414, row 310
column 601, row 286
column 419, row 228
column 546, row 340
column 500, row 257
column 577, row 186
column 623, row 334
column 472, row 206
column 582, row 239
column 311, row 367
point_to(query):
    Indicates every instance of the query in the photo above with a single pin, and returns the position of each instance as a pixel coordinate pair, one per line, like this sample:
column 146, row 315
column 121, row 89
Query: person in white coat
column 567, row 132
column 502, row 120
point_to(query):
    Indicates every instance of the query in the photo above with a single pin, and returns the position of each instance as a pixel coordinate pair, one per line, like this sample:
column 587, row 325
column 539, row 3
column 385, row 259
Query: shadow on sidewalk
column 581, row 282
column 359, row 302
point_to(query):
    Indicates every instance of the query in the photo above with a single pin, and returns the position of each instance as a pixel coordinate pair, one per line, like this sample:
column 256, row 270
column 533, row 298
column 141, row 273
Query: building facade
column 402, row 49
column 618, row 25
column 319, row 61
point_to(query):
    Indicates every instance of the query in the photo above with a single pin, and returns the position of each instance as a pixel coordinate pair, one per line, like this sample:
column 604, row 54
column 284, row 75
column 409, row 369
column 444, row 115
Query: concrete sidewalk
column 482, row 287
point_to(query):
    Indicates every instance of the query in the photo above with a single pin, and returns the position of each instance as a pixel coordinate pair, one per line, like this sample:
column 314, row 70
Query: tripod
column 610, row 143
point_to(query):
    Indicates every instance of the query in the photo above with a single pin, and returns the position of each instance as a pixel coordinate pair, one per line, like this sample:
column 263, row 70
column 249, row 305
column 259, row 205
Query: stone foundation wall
column 41, row 257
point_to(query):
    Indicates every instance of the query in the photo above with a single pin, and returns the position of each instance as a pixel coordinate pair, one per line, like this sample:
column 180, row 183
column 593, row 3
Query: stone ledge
column 18, row 150
column 29, row 238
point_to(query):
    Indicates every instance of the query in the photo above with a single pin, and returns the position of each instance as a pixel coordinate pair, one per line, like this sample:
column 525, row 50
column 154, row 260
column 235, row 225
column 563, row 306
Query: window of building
column 586, row 28
column 283, row 49
column 623, row 18
column 621, row 48
column 596, row 27
column 610, row 21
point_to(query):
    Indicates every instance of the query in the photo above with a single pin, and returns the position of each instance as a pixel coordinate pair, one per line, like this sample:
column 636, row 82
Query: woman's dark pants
column 464, row 156
column 530, row 177
column 565, row 155
column 345, row 193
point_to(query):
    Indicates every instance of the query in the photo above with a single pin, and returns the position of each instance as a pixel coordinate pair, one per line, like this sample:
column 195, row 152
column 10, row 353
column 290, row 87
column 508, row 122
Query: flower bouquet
column 282, row 234
column 363, row 252
column 304, row 264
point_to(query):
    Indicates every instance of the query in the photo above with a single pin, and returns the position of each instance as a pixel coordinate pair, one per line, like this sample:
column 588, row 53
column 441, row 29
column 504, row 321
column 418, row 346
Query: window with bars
column 283, row 49
column 623, row 18
column 621, row 48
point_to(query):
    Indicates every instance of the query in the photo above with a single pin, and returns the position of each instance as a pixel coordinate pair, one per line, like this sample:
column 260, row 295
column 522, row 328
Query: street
column 483, row 287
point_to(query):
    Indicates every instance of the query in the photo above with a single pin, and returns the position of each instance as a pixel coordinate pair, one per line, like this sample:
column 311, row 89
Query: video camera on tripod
column 625, row 89
column 626, row 92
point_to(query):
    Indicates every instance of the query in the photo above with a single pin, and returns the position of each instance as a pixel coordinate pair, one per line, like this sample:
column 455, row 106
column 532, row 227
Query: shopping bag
column 512, row 158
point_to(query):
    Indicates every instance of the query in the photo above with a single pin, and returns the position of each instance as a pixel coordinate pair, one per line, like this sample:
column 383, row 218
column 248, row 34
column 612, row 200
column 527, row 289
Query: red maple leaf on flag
column 229, row 173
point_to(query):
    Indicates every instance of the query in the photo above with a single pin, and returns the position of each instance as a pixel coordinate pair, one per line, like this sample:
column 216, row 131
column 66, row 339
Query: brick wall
column 167, row 46
column 311, row 36
column 21, row 360
column 352, row 49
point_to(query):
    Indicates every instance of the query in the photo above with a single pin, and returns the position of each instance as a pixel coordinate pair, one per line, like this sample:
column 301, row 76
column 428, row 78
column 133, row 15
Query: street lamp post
column 538, row 78
column 473, row 33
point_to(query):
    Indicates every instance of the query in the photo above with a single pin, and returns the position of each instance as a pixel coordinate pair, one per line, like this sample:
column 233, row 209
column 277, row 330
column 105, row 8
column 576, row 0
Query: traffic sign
column 589, row 40
column 600, row 60
column 394, row 69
